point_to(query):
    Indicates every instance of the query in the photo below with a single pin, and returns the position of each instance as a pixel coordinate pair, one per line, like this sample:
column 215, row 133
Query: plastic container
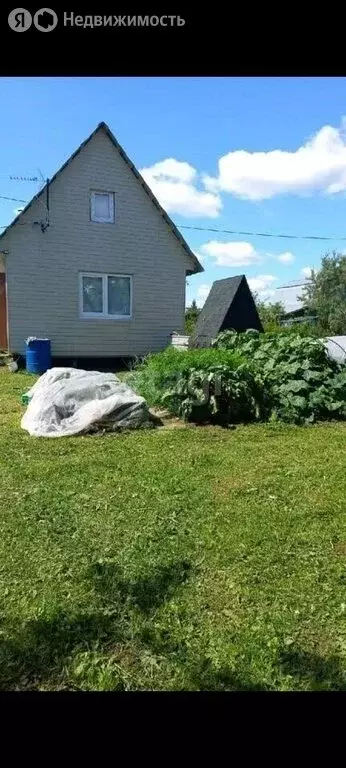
column 38, row 355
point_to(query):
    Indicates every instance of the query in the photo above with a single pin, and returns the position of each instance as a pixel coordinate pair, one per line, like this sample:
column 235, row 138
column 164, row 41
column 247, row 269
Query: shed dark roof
column 230, row 304
column 104, row 127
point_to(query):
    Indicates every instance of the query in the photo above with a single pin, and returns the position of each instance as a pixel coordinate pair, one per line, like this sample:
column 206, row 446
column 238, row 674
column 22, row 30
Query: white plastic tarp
column 336, row 348
column 68, row 401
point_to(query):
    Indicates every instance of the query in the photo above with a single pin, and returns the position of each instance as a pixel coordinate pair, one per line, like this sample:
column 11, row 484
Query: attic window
column 102, row 207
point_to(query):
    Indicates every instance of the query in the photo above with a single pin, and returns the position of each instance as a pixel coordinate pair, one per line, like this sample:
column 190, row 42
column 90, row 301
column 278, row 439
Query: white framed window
column 105, row 296
column 102, row 207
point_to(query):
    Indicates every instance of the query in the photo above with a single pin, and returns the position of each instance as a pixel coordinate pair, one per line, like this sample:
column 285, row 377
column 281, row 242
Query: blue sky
column 252, row 154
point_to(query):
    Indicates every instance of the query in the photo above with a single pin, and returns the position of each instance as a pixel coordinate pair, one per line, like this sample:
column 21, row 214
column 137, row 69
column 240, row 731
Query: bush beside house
column 246, row 377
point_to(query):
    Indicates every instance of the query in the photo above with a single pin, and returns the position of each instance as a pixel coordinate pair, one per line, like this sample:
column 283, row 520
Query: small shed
column 229, row 306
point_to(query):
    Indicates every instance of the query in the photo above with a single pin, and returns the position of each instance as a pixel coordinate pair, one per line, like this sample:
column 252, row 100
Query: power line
column 14, row 199
column 221, row 231
column 259, row 234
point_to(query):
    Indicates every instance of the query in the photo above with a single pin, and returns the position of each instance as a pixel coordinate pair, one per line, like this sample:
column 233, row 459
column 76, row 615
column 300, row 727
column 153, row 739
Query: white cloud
column 238, row 254
column 231, row 254
column 286, row 258
column 306, row 272
column 174, row 184
column 261, row 284
column 202, row 294
column 267, row 296
column 318, row 165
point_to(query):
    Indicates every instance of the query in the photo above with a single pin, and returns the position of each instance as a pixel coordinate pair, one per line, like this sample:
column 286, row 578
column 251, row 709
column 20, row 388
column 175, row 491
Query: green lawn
column 195, row 558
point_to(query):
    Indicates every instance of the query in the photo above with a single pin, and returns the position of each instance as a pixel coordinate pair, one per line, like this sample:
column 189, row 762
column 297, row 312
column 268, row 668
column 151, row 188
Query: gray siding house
column 93, row 262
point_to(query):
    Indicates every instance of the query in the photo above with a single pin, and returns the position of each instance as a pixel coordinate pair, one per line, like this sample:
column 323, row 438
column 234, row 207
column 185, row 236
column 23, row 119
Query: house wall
column 42, row 269
column 3, row 312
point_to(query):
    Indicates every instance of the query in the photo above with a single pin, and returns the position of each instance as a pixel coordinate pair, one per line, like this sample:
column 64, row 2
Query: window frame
column 104, row 315
column 102, row 219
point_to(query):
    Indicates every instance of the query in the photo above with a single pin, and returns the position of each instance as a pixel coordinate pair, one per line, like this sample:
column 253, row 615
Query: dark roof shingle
column 229, row 305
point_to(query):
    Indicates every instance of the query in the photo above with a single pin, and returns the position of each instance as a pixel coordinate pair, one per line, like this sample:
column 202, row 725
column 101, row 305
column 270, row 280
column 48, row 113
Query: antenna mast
column 45, row 224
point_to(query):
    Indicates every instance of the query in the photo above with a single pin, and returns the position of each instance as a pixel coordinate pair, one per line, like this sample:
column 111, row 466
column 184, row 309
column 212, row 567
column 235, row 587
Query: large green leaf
column 294, row 386
column 312, row 375
column 298, row 402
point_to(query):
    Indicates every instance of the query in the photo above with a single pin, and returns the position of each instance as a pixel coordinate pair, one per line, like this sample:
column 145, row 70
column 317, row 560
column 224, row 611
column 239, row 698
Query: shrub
column 329, row 399
column 297, row 329
column 245, row 377
column 191, row 317
column 220, row 395
column 278, row 346
column 160, row 372
column 301, row 382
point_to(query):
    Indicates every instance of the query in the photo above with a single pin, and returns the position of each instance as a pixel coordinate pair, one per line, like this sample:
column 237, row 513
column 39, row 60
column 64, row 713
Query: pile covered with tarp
column 68, row 401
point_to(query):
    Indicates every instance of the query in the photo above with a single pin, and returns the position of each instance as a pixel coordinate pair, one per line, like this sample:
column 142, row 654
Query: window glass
column 102, row 206
column 119, row 299
column 92, row 294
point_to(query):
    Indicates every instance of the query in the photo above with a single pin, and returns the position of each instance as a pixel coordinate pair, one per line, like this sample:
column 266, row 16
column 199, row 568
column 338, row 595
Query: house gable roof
column 229, row 305
column 197, row 267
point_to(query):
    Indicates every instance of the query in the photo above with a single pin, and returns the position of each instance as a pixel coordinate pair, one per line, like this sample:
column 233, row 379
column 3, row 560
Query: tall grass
column 158, row 372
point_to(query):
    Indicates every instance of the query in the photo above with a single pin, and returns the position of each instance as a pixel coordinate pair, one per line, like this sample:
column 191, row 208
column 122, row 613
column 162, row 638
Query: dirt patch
column 122, row 655
column 339, row 548
column 173, row 424
column 223, row 487
column 165, row 420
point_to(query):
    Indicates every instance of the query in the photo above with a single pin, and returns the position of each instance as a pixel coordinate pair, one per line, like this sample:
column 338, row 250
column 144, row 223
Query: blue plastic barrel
column 38, row 355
